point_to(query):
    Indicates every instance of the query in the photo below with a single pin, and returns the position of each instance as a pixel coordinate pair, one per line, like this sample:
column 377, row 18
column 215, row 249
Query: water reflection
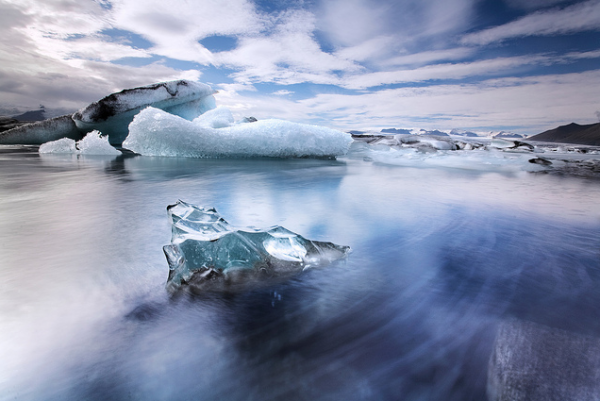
column 538, row 362
column 451, row 273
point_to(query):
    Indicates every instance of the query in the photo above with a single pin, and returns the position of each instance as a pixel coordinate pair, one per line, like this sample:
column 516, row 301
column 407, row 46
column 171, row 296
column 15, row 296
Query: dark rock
column 522, row 145
column 541, row 161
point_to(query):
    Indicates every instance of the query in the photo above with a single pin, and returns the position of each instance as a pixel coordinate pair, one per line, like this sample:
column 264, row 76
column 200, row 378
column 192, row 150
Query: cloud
column 175, row 27
column 431, row 56
column 533, row 4
column 282, row 92
column 442, row 71
column 533, row 103
column 348, row 23
column 288, row 54
column 575, row 18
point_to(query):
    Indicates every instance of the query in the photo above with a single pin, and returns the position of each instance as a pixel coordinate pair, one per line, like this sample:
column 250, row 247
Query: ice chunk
column 207, row 253
column 154, row 132
column 113, row 113
column 92, row 144
column 64, row 145
column 41, row 132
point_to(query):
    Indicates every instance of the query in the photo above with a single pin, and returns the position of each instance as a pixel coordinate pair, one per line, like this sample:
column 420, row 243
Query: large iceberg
column 41, row 132
column 155, row 132
column 112, row 114
column 206, row 253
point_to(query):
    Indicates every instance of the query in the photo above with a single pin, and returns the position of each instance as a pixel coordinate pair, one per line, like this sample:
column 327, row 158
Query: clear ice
column 207, row 253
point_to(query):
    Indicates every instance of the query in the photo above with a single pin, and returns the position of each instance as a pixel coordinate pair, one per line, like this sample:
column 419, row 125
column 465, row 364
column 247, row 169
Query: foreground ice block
column 113, row 113
column 155, row 132
column 206, row 253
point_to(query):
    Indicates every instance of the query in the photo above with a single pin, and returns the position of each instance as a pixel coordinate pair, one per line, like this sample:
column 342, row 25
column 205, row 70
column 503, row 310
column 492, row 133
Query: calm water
column 461, row 285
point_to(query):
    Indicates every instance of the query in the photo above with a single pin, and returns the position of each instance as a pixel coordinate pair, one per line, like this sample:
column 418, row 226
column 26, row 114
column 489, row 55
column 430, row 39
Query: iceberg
column 112, row 114
column 207, row 253
column 155, row 132
column 92, row 144
column 41, row 132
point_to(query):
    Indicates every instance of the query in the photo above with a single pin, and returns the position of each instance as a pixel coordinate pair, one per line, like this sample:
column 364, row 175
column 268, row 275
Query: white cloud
column 351, row 22
column 534, row 104
column 289, row 54
column 431, row 56
column 176, row 26
column 282, row 92
column 441, row 71
column 371, row 50
column 576, row 18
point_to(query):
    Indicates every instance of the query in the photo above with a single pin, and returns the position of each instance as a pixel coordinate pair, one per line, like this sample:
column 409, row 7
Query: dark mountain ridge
column 572, row 133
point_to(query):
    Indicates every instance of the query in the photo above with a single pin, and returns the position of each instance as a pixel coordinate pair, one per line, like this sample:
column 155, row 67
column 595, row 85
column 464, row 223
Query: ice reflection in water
column 443, row 261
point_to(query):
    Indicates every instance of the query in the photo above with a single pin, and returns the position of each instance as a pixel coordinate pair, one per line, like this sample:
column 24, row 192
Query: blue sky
column 482, row 65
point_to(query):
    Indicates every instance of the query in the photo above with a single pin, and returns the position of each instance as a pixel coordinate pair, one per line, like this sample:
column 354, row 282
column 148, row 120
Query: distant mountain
column 30, row 116
column 396, row 131
column 572, row 133
column 433, row 132
column 463, row 133
column 508, row 135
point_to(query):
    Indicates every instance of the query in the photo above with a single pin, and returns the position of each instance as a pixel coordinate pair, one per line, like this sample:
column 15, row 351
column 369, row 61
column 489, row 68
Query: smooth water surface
column 454, row 278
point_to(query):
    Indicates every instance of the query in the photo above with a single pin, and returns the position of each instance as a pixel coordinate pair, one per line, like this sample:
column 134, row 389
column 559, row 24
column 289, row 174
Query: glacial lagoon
column 461, row 285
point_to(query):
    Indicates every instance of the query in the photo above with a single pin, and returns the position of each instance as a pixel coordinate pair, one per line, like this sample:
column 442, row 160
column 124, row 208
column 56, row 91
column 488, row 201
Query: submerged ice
column 206, row 252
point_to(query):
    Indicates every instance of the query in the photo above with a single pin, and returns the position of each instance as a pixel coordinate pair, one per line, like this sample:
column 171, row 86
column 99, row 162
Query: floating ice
column 112, row 114
column 207, row 253
column 41, row 131
column 155, row 132
column 92, row 144
column 478, row 154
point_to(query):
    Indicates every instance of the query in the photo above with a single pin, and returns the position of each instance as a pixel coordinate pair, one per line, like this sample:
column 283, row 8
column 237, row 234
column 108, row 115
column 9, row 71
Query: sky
column 481, row 65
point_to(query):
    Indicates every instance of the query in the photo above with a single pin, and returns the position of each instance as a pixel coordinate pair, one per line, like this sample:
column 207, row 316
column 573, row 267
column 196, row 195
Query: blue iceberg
column 207, row 253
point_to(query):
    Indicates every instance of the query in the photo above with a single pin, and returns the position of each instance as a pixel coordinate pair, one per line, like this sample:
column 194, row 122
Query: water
column 448, row 268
